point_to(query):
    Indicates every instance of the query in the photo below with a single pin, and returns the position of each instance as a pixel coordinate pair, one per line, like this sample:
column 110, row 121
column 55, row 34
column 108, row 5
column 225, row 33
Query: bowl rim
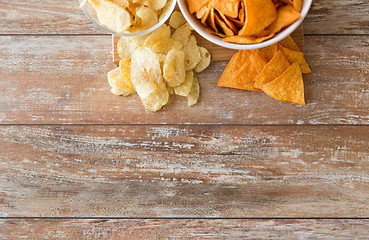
column 149, row 30
column 200, row 29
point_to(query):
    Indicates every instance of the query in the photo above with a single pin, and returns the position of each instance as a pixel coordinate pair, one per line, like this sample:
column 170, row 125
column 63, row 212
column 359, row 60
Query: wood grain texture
column 64, row 17
column 179, row 171
column 184, row 229
column 218, row 53
column 62, row 80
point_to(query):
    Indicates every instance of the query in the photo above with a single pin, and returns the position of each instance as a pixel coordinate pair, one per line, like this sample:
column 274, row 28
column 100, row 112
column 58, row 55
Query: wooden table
column 80, row 163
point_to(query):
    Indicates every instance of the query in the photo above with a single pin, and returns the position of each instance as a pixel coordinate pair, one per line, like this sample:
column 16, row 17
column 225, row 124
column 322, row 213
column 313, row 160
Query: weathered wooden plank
column 184, row 171
column 62, row 79
column 184, row 229
column 64, row 17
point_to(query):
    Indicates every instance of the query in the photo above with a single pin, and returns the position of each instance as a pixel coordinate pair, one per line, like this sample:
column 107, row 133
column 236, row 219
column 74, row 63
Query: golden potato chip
column 289, row 43
column 273, row 69
column 170, row 90
column 192, row 53
column 165, row 45
column 293, row 56
column 223, row 26
column 121, row 3
column 185, row 88
column 195, row 5
column 161, row 33
column 147, row 16
column 287, row 87
column 205, row 60
column 174, row 72
column 286, row 15
column 177, row 20
column 120, row 79
column 152, row 4
column 166, row 9
column 194, row 94
column 259, row 15
column 242, row 70
column 127, row 45
column 229, row 7
column 182, row 34
column 112, row 16
column 146, row 76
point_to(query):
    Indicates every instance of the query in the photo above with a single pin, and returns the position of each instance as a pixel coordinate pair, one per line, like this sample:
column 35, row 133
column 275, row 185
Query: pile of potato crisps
column 159, row 64
column 245, row 21
column 276, row 70
column 129, row 16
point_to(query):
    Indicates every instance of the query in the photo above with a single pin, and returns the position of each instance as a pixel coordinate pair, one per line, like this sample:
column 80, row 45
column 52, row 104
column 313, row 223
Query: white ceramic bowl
column 91, row 14
column 200, row 29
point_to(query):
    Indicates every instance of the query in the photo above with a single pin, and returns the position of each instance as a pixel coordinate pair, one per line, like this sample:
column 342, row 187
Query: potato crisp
column 276, row 70
column 246, row 21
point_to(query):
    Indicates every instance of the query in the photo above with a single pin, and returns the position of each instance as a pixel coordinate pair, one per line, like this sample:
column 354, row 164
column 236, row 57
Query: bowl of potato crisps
column 128, row 18
column 244, row 24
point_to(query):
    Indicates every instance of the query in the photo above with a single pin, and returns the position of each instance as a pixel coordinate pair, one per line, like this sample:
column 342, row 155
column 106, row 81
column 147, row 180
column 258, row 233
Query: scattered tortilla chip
column 289, row 43
column 273, row 69
column 259, row 15
column 287, row 87
column 243, row 68
column 269, row 52
column 293, row 56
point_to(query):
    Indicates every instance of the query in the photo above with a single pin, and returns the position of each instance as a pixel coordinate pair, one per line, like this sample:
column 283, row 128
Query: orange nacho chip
column 297, row 4
column 294, row 56
column 259, row 15
column 286, row 15
column 229, row 8
column 288, row 87
column 272, row 70
column 223, row 25
column 195, row 5
column 289, row 43
column 242, row 70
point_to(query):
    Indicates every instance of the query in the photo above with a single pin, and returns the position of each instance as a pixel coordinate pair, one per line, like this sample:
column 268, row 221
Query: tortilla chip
column 289, row 87
column 238, row 23
column 223, row 25
column 297, row 4
column 289, row 43
column 228, row 22
column 259, row 15
column 211, row 31
column 195, row 5
column 272, row 70
column 286, row 15
column 269, row 52
column 229, row 7
column 242, row 12
column 246, row 39
column 242, row 70
column 294, row 56
column 211, row 20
